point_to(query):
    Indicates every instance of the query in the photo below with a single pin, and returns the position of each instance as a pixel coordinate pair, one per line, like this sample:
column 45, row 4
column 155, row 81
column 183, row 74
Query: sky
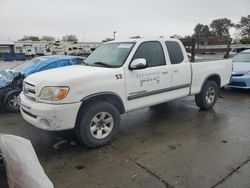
column 95, row 20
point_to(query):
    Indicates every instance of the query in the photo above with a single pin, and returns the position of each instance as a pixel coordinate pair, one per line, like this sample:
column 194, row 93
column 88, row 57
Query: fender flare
column 208, row 78
column 116, row 99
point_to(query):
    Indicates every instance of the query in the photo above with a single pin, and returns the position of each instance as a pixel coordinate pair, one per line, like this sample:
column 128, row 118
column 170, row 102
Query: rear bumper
column 240, row 82
column 50, row 117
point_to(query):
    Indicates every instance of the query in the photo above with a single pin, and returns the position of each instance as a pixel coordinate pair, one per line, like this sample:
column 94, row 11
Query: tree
column 107, row 40
column 198, row 30
column 47, row 38
column 201, row 30
column 70, row 38
column 245, row 40
column 220, row 27
column 244, row 26
column 28, row 37
column 206, row 31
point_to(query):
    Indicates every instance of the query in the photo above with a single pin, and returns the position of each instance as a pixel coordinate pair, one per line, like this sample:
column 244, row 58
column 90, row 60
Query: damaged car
column 11, row 80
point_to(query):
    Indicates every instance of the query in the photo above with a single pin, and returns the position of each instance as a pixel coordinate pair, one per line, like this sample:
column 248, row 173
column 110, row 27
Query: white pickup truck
column 118, row 77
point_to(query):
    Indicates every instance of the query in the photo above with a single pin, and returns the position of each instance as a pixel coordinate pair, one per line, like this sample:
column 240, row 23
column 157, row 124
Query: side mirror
column 138, row 64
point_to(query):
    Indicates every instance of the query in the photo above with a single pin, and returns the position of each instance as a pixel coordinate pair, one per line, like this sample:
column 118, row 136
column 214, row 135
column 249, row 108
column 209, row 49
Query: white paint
column 87, row 80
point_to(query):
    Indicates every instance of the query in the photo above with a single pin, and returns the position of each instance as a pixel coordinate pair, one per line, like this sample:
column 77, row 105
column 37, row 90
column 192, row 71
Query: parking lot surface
column 171, row 145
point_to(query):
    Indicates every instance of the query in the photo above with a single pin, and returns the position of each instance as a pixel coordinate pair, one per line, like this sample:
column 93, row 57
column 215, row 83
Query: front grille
column 32, row 91
column 29, row 114
column 242, row 84
column 29, row 90
column 29, row 84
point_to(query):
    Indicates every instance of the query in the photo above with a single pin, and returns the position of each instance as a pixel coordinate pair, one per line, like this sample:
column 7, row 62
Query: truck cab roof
column 145, row 40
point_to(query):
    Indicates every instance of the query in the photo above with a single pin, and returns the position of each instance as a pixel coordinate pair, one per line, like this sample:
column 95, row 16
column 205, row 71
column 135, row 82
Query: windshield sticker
column 125, row 45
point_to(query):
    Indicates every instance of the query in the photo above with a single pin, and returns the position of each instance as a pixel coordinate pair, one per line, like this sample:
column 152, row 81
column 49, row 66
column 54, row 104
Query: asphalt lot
column 172, row 145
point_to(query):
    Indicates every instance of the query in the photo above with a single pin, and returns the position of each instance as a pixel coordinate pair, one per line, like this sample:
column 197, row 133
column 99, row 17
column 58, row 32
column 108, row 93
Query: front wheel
column 98, row 124
column 207, row 98
column 12, row 102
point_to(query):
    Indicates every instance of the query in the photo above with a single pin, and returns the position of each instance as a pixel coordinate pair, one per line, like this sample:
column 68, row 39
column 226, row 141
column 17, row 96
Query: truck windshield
column 110, row 54
column 242, row 57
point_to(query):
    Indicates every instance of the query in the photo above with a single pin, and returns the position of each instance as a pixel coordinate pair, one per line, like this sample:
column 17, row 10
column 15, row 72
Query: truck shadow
column 236, row 91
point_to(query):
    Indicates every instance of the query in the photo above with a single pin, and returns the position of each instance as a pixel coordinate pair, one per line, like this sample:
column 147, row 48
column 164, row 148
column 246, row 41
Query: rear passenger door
column 180, row 69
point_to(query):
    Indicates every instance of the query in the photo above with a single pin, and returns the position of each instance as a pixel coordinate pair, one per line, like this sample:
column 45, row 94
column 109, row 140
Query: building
column 6, row 47
column 30, row 48
column 34, row 48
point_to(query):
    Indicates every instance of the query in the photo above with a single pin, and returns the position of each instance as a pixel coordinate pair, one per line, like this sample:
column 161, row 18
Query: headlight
column 53, row 93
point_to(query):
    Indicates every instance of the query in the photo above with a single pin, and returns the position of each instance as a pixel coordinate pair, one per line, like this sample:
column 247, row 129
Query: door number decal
column 118, row 76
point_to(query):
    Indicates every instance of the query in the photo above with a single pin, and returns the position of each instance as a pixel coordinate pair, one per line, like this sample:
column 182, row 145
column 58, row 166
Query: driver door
column 151, row 85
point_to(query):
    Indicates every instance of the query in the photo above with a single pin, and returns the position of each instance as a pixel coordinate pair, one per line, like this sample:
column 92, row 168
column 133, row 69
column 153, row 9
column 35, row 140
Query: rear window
column 175, row 52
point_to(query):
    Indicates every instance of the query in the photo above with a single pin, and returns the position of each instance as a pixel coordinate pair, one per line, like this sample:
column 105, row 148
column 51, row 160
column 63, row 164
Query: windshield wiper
column 103, row 64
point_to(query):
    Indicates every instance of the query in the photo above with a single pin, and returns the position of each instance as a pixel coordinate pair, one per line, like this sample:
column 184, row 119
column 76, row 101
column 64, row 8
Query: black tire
column 202, row 100
column 10, row 105
column 85, row 119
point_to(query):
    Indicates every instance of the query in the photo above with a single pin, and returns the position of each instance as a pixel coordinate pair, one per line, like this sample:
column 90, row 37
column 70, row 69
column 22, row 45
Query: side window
column 175, row 52
column 152, row 52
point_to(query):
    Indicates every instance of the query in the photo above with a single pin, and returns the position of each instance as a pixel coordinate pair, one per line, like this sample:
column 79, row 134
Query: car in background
column 235, row 51
column 196, row 57
column 241, row 71
column 11, row 80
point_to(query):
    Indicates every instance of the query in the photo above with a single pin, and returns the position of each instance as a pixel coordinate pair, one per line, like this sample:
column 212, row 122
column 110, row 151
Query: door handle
column 176, row 71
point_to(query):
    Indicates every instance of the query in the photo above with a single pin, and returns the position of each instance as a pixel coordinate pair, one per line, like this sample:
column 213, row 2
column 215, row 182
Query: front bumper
column 52, row 117
column 240, row 82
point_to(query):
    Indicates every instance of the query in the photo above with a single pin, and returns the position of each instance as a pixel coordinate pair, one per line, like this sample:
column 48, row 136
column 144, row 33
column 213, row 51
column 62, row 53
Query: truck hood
column 7, row 76
column 65, row 75
column 241, row 68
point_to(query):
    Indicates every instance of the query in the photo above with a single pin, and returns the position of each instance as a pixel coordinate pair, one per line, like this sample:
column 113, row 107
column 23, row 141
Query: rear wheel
column 98, row 124
column 12, row 102
column 207, row 98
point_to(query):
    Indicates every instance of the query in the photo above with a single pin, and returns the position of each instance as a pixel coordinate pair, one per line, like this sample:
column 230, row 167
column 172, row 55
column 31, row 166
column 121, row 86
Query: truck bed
column 202, row 70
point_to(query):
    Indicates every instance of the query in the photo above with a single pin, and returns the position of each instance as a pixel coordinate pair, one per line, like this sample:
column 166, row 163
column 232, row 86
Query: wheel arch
column 214, row 77
column 110, row 97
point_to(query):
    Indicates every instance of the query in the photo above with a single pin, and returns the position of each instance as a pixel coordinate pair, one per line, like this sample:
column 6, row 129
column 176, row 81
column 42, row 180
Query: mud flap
column 220, row 94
